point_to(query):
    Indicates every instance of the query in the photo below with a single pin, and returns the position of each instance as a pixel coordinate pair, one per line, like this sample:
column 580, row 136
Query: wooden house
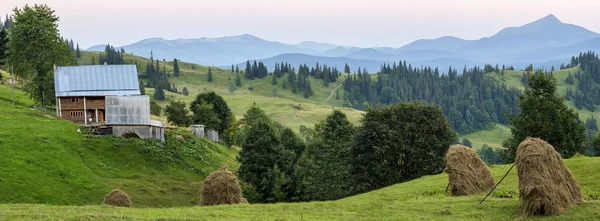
column 105, row 97
column 81, row 90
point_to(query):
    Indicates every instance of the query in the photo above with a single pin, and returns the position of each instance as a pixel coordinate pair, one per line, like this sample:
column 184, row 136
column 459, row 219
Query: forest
column 470, row 100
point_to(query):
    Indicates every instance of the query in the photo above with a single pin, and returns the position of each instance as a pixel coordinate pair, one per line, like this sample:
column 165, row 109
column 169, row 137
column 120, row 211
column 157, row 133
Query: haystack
column 221, row 187
column 546, row 186
column 467, row 173
column 117, row 198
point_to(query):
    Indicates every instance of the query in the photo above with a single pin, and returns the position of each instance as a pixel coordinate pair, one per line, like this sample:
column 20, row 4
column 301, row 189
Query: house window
column 75, row 114
column 75, row 99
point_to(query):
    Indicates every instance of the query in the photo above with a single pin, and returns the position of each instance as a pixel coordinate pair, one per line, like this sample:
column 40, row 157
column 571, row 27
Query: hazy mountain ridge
column 544, row 41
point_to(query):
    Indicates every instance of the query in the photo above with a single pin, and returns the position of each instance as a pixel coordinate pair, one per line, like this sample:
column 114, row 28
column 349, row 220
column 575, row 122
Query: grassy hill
column 294, row 110
column 286, row 107
column 421, row 199
column 46, row 160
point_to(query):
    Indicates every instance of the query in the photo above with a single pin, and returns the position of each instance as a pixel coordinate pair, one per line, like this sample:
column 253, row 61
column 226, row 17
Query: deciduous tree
column 177, row 113
column 34, row 48
column 399, row 143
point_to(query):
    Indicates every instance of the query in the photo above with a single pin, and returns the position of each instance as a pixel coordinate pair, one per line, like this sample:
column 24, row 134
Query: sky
column 363, row 23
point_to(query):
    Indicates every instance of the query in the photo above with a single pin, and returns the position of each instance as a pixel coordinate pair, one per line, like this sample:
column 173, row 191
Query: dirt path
column 333, row 91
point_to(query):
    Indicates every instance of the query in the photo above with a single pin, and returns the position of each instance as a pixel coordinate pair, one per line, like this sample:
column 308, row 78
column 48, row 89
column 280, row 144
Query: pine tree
column 237, row 69
column 248, row 73
column 238, row 80
column 159, row 93
column 274, row 80
column 284, row 85
column 71, row 45
column 77, row 52
column 347, row 68
column 541, row 110
column 3, row 46
column 185, row 91
column 325, row 164
column 210, row 77
column 142, row 88
column 232, row 69
column 176, row 72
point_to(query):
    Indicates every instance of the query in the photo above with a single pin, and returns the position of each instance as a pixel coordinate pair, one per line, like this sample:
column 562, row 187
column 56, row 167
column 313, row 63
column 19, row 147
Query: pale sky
column 363, row 23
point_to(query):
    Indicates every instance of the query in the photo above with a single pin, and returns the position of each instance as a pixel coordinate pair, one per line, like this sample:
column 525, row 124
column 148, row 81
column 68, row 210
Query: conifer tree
column 77, row 52
column 176, row 72
column 238, row 80
column 3, row 46
column 274, row 80
column 142, row 88
column 541, row 110
column 210, row 77
column 159, row 93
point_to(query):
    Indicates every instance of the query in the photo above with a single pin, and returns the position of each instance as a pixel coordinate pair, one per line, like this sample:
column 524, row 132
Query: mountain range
column 546, row 41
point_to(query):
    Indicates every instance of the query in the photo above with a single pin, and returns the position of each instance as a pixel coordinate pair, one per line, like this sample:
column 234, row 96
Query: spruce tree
column 77, row 52
column 210, row 77
column 347, row 68
column 545, row 115
column 185, row 91
column 324, row 168
column 3, row 46
column 238, row 80
column 159, row 93
column 176, row 72
column 142, row 88
column 274, row 80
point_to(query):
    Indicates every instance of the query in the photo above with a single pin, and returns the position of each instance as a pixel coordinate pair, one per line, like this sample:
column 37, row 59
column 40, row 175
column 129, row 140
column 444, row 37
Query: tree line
column 471, row 101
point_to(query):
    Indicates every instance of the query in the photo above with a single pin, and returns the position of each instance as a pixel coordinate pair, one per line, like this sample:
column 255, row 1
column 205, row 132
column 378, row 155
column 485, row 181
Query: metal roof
column 96, row 80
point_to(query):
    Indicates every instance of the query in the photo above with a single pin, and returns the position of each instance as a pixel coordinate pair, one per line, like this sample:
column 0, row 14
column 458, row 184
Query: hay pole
column 498, row 183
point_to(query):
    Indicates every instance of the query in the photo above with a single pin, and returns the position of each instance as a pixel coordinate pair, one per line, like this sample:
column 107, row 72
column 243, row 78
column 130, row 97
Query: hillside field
column 46, row 160
column 420, row 199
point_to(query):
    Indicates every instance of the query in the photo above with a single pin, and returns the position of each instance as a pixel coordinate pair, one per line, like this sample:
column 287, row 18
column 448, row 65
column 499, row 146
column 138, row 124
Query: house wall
column 143, row 131
column 71, row 108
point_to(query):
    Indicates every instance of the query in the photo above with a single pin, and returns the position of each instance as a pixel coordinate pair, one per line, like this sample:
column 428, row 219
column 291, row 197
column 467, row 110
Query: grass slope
column 45, row 160
column 421, row 199
column 292, row 110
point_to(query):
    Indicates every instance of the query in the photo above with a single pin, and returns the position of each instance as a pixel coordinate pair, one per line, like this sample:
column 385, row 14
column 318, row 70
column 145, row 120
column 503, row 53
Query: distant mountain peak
column 548, row 20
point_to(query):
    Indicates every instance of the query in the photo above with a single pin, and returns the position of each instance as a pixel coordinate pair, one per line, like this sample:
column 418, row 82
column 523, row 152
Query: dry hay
column 467, row 173
column 546, row 186
column 221, row 187
column 117, row 198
